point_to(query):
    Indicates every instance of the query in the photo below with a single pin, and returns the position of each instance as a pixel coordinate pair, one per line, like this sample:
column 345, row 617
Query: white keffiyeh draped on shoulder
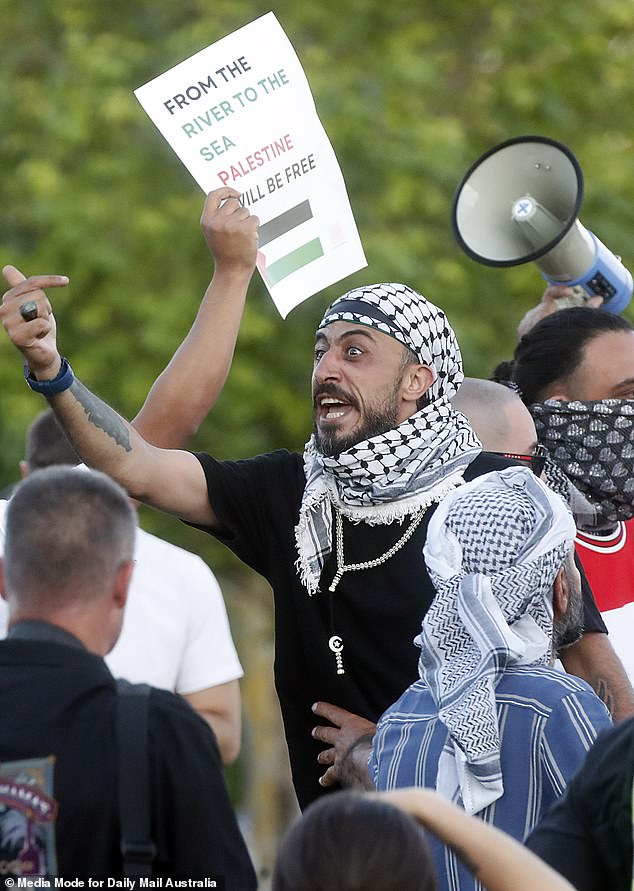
column 393, row 475
column 493, row 549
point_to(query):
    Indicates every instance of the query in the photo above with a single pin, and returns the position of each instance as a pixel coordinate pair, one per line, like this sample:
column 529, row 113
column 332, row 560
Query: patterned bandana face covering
column 393, row 475
column 591, row 452
column 493, row 549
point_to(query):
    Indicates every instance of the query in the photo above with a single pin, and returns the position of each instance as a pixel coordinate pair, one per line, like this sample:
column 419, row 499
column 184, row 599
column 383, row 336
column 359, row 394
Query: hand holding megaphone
column 554, row 298
column 519, row 203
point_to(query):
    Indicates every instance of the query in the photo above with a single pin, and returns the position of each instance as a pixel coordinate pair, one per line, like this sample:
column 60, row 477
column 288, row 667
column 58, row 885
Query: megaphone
column 519, row 203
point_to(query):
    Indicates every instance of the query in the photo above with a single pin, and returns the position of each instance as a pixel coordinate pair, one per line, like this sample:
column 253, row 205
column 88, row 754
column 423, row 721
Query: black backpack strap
column 137, row 847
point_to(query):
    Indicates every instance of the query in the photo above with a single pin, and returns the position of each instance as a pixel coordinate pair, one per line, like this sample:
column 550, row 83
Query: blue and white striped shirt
column 548, row 720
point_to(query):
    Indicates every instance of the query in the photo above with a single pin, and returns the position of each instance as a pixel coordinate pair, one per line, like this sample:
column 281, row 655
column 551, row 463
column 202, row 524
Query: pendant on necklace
column 336, row 645
column 336, row 580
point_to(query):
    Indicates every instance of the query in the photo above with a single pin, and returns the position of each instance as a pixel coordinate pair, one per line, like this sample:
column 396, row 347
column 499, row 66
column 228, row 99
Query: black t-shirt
column 376, row 612
column 587, row 834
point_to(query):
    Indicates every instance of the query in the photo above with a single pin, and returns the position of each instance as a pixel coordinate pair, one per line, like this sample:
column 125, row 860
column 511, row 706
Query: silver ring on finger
column 28, row 310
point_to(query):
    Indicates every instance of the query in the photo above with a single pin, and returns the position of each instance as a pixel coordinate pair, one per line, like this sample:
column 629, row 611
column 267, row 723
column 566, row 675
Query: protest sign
column 240, row 113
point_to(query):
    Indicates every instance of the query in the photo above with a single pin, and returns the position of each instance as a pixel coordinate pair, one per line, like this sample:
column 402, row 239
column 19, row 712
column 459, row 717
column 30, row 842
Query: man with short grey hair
column 176, row 632
column 67, row 564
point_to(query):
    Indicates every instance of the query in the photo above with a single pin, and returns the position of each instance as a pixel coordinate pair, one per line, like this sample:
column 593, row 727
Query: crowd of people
column 434, row 625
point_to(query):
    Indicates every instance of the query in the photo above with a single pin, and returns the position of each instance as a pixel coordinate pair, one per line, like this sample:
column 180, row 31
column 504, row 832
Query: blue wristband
column 58, row 384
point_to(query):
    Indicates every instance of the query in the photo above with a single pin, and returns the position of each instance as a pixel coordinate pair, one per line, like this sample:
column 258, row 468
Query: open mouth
column 330, row 408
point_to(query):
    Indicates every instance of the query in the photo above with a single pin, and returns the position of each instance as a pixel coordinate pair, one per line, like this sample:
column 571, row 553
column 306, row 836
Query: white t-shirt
column 176, row 632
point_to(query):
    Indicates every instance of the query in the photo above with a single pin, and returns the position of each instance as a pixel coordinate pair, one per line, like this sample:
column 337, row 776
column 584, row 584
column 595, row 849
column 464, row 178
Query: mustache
column 336, row 393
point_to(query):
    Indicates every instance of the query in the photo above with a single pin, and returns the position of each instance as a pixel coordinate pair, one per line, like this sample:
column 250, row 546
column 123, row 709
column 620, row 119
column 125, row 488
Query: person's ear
column 122, row 583
column 417, row 379
column 561, row 594
column 24, row 469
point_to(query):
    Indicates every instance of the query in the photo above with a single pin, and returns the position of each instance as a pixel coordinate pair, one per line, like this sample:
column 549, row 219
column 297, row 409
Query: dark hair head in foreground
column 353, row 842
column 47, row 444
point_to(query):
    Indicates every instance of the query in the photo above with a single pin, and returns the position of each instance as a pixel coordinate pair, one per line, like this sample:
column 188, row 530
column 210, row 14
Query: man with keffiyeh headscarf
column 383, row 464
column 489, row 723
column 338, row 531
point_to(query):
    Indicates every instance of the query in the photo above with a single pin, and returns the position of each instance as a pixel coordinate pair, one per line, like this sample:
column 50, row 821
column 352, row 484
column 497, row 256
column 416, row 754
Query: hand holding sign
column 230, row 230
column 240, row 114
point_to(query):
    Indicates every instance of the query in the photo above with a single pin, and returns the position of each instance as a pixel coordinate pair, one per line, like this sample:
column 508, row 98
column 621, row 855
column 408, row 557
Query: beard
column 569, row 628
column 374, row 421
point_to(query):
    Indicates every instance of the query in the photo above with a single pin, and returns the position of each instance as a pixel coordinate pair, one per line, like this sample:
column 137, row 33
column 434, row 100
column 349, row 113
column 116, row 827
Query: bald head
column 497, row 414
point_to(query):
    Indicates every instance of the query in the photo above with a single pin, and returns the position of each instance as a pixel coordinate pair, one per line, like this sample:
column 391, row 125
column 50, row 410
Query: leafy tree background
column 410, row 95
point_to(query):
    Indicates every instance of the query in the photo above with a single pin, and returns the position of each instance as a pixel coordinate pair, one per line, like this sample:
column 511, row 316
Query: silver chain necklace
column 368, row 564
column 336, row 643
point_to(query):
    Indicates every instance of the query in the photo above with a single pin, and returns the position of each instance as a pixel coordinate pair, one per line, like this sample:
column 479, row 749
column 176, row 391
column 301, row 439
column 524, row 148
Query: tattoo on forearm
column 602, row 690
column 102, row 416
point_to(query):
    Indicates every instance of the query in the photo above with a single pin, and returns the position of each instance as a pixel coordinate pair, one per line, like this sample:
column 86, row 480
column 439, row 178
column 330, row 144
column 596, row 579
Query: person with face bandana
column 338, row 531
column 575, row 372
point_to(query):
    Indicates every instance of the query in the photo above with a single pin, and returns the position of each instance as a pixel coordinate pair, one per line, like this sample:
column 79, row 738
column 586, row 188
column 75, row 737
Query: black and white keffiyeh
column 391, row 476
column 493, row 549
column 407, row 316
column 591, row 457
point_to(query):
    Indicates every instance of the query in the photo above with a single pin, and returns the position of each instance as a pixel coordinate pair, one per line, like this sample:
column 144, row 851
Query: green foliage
column 410, row 94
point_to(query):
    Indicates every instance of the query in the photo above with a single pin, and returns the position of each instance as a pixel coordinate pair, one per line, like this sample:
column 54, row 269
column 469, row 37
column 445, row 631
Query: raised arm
column 187, row 389
column 496, row 859
column 170, row 480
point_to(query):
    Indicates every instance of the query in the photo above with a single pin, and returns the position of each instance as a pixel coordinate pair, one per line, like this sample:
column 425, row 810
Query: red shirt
column 609, row 564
